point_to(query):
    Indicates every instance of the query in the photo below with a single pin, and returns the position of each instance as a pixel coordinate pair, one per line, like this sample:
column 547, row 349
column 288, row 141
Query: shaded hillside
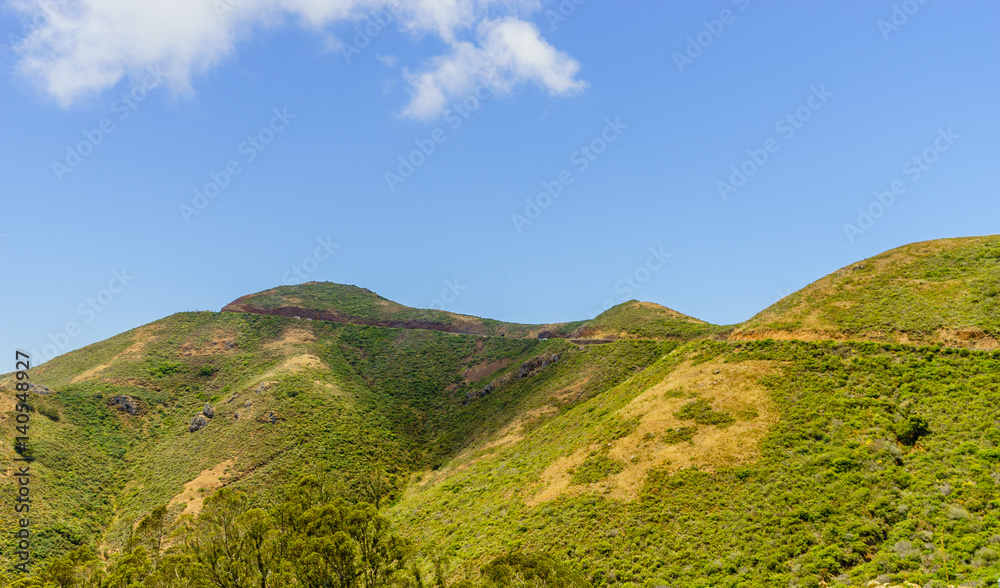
column 945, row 291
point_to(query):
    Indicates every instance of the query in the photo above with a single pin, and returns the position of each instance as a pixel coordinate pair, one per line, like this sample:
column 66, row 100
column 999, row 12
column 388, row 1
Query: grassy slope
column 347, row 397
column 831, row 492
column 646, row 320
column 942, row 291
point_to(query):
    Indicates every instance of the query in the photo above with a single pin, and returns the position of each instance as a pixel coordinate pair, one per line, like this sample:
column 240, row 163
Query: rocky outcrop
column 532, row 367
column 126, row 403
column 527, row 369
column 208, row 410
column 198, row 423
column 38, row 389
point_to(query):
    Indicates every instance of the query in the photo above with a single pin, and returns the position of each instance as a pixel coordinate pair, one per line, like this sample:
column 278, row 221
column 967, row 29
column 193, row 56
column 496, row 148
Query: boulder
column 198, row 423
column 126, row 403
column 208, row 410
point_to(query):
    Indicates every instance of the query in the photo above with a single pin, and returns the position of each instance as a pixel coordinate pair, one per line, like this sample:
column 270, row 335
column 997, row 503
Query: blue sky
column 610, row 105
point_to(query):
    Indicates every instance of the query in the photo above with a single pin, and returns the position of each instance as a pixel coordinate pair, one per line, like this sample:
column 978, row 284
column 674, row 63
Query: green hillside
column 945, row 291
column 345, row 398
column 377, row 445
column 351, row 304
column 645, row 320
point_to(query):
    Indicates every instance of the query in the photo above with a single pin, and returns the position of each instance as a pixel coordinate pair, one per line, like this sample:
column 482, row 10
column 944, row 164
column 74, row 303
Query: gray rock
column 208, row 410
column 38, row 389
column 198, row 423
column 126, row 403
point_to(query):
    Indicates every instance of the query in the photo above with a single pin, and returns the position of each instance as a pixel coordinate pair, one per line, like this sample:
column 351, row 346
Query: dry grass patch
column 292, row 336
column 201, row 487
column 142, row 337
column 729, row 388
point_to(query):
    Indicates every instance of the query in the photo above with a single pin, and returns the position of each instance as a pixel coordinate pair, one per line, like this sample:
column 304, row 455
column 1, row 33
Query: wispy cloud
column 86, row 46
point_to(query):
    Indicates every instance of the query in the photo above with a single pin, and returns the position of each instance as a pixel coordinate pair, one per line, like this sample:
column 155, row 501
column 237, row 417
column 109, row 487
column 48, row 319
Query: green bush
column 700, row 411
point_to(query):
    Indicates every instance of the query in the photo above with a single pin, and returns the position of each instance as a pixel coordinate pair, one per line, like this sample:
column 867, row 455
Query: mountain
column 360, row 306
column 645, row 320
column 847, row 434
column 945, row 291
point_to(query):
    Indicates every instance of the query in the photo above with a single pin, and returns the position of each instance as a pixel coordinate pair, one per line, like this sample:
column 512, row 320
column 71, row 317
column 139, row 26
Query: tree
column 377, row 486
column 261, row 547
column 530, row 570
column 382, row 553
column 151, row 530
column 216, row 543
column 327, row 556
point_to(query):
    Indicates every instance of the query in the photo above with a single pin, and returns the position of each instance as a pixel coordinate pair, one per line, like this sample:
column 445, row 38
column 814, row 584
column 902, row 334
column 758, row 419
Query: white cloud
column 510, row 52
column 86, row 46
column 387, row 60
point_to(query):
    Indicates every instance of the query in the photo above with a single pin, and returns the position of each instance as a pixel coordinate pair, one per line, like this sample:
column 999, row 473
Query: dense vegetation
column 885, row 464
column 671, row 456
column 313, row 538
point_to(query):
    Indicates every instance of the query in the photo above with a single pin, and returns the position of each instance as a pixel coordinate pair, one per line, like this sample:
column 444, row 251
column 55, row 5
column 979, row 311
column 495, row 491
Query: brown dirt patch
column 201, row 487
column 290, row 337
column 733, row 388
column 485, row 369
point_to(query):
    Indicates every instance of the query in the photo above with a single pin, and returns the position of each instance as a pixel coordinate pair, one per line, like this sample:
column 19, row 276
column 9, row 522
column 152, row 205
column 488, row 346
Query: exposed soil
column 485, row 369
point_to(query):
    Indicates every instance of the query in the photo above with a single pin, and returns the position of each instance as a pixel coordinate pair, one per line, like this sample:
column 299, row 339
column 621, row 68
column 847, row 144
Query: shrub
column 909, row 431
column 701, row 412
